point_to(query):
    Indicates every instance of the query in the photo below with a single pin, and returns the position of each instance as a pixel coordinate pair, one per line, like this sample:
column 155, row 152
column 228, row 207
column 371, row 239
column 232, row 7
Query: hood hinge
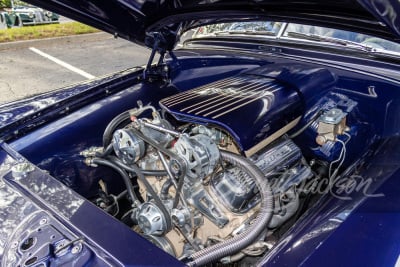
column 160, row 42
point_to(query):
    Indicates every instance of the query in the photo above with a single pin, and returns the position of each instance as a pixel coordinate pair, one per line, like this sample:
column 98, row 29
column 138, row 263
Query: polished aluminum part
column 159, row 130
column 162, row 242
column 180, row 217
column 199, row 198
column 149, row 161
column 331, row 124
column 293, row 177
column 128, row 146
column 235, row 190
column 202, row 156
column 283, row 166
column 213, row 200
column 218, row 136
column 151, row 219
column 333, row 116
column 200, row 153
column 277, row 157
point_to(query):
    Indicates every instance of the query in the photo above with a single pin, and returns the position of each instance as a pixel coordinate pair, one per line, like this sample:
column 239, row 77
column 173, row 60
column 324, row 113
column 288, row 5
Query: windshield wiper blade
column 269, row 33
column 320, row 38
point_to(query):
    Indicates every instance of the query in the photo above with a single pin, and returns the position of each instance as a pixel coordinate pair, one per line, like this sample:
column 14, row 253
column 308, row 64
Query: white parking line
column 62, row 63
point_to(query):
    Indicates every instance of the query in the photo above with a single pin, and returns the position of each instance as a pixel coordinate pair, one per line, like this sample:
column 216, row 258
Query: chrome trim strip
column 183, row 96
column 266, row 94
column 226, row 102
column 213, row 100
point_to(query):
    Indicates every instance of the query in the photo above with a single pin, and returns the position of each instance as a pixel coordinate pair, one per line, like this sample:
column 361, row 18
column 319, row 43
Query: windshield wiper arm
column 269, row 33
column 320, row 38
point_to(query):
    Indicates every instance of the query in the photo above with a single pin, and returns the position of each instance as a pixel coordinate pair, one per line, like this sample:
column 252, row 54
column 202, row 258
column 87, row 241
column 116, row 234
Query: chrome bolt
column 21, row 169
column 76, row 249
column 14, row 244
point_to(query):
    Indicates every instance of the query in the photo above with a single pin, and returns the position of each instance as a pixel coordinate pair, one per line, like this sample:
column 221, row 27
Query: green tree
column 5, row 3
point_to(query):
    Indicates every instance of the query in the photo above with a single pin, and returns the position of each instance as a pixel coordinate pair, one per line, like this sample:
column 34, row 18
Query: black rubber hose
column 246, row 238
column 165, row 188
column 106, row 152
column 119, row 121
column 135, row 169
column 129, row 187
column 156, row 173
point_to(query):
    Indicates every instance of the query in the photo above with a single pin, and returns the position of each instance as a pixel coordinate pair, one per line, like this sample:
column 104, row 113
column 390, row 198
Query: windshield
column 250, row 27
column 279, row 30
column 359, row 38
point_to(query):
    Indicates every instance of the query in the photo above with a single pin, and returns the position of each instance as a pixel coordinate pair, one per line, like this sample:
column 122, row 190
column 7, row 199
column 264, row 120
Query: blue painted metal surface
column 78, row 130
column 254, row 105
column 131, row 19
column 71, row 132
column 84, row 127
column 322, row 232
column 22, row 116
column 387, row 11
column 359, row 231
column 64, row 229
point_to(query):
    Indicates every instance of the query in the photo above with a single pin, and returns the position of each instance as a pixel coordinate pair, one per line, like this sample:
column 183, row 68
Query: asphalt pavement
column 32, row 67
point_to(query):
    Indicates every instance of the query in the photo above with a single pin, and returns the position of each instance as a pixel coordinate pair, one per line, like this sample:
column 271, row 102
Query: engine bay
column 206, row 187
column 193, row 192
column 217, row 171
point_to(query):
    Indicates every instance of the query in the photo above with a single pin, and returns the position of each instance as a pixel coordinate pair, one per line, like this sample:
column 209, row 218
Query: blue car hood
column 132, row 19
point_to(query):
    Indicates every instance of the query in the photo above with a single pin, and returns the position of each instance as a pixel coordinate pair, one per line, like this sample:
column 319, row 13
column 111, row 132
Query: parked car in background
column 26, row 16
column 10, row 19
column 3, row 20
column 269, row 136
column 30, row 15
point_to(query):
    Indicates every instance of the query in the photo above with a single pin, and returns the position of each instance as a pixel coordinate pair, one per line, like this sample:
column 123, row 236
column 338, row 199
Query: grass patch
column 44, row 31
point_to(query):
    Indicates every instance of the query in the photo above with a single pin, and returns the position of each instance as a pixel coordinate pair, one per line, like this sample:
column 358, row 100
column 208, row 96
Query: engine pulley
column 151, row 219
column 128, row 146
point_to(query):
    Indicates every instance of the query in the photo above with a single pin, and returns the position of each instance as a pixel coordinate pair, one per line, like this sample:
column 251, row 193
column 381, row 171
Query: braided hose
column 246, row 238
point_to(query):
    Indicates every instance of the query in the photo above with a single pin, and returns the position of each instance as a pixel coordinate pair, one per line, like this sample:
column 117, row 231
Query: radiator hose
column 246, row 238
column 119, row 121
column 122, row 119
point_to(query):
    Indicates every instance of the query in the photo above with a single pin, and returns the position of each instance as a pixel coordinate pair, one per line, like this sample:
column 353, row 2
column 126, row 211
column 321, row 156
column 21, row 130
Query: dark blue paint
column 357, row 232
column 19, row 117
column 361, row 130
column 77, row 130
column 303, row 78
column 387, row 11
column 132, row 19
column 208, row 69
column 68, row 216
column 68, row 136
column 323, row 232
column 270, row 50
column 280, row 92
column 129, row 248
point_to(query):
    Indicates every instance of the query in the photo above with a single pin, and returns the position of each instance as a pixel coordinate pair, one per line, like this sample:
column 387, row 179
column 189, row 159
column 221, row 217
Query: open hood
column 131, row 19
